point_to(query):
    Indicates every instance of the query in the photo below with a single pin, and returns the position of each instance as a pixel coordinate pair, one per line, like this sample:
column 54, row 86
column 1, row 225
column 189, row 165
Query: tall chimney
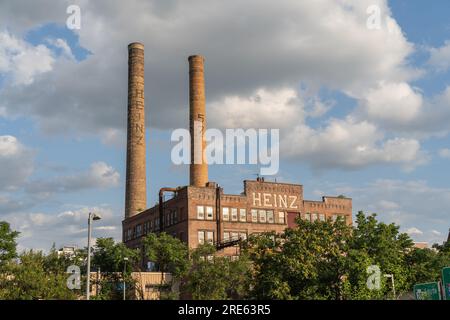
column 135, row 193
column 198, row 170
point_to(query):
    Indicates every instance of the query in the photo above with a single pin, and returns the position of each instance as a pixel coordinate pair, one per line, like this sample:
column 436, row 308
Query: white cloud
column 63, row 46
column 23, row 61
column 263, row 109
column 436, row 233
column 41, row 230
column 279, row 45
column 388, row 205
column 16, row 163
column 414, row 231
column 408, row 203
column 348, row 144
column 392, row 104
column 114, row 137
column 99, row 175
column 444, row 153
column 440, row 57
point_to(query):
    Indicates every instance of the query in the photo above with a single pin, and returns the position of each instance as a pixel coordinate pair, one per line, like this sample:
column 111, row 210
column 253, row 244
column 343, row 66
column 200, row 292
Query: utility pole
column 393, row 284
column 92, row 217
column 123, row 276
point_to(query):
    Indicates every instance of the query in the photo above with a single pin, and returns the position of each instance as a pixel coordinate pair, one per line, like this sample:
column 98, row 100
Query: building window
column 201, row 212
column 234, row 236
column 210, row 237
column 226, row 214
column 175, row 216
column 243, row 235
column 138, row 230
column 321, row 217
column 145, row 227
column 262, row 216
column 334, row 217
column 281, row 217
column 206, row 236
column 270, row 216
column 254, row 215
column 242, row 215
column 313, row 217
column 234, row 215
column 226, row 236
column 201, row 237
column 209, row 213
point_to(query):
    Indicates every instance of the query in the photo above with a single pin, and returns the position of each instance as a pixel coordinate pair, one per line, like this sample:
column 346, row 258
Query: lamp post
column 124, row 270
column 92, row 217
column 393, row 283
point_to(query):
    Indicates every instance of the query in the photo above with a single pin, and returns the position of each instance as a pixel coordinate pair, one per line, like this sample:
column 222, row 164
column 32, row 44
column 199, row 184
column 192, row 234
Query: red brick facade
column 191, row 214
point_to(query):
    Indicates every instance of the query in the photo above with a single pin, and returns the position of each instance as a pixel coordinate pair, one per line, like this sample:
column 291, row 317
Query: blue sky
column 361, row 112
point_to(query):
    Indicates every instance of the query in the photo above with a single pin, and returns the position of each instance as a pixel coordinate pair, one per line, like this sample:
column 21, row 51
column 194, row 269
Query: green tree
column 109, row 258
column 213, row 277
column 169, row 255
column 30, row 279
column 386, row 247
column 8, row 243
column 306, row 262
column 425, row 265
column 329, row 260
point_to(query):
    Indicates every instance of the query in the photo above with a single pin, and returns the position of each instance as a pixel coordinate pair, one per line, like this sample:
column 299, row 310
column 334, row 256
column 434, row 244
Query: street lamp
column 92, row 217
column 123, row 276
column 393, row 283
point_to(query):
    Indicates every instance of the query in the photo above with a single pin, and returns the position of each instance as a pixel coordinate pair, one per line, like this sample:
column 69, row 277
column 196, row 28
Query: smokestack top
column 136, row 45
column 196, row 57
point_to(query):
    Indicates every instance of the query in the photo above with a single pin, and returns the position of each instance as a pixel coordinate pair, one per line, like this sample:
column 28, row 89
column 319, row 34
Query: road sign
column 446, row 282
column 427, row 291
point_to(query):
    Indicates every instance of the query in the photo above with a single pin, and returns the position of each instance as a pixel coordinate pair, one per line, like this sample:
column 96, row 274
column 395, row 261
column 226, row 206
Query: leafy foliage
column 168, row 253
column 34, row 277
column 7, row 243
column 215, row 277
column 110, row 258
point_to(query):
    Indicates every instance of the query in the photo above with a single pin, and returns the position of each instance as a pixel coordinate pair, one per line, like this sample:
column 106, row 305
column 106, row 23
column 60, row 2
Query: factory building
column 201, row 212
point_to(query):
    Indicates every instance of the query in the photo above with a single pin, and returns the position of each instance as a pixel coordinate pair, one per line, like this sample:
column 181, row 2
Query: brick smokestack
column 135, row 193
column 198, row 171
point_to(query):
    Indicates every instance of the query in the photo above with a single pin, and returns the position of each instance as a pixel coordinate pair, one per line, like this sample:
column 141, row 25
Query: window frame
column 200, row 212
column 209, row 233
column 281, row 217
column 201, row 237
column 207, row 213
column 261, row 214
column 227, row 214
column 242, row 215
column 254, row 213
column 271, row 214
column 234, row 214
